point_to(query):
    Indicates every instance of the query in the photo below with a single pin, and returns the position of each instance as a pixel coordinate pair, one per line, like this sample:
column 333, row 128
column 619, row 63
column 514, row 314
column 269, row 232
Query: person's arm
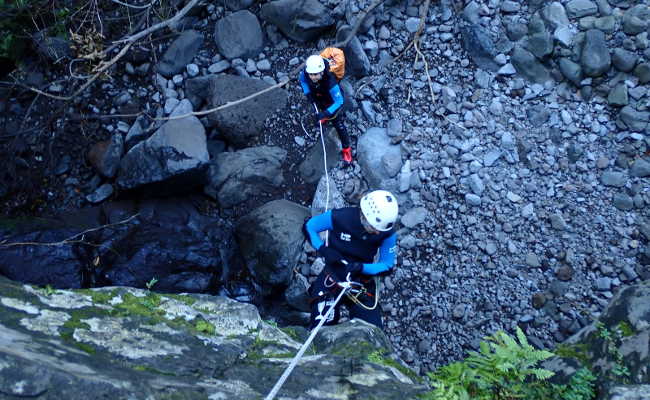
column 303, row 83
column 319, row 223
column 386, row 257
column 337, row 97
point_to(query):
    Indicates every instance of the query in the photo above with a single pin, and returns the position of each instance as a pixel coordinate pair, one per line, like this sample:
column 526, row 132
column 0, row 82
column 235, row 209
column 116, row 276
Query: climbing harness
column 356, row 290
column 302, row 350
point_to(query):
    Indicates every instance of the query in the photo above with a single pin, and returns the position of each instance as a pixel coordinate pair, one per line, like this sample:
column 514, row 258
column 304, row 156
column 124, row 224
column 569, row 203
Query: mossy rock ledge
column 125, row 343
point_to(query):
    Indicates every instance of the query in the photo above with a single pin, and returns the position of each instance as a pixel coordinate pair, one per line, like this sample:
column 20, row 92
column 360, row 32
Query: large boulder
column 270, row 239
column 357, row 63
column 163, row 242
column 618, row 341
column 595, row 58
column 478, row 44
column 55, row 262
column 312, row 168
column 376, row 156
column 234, row 177
column 180, row 53
column 125, row 343
column 239, row 35
column 172, row 160
column 242, row 123
column 302, row 21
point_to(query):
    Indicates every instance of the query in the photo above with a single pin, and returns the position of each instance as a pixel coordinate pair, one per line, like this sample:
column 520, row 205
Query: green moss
column 625, row 329
column 379, row 357
column 99, row 296
column 361, row 349
column 147, row 368
column 67, row 332
column 146, row 306
column 576, row 351
column 292, row 333
column 182, row 298
column 204, row 326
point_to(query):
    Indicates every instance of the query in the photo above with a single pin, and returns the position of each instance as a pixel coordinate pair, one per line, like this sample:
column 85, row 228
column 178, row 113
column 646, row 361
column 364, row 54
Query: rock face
column 301, row 21
column 244, row 122
column 239, row 35
column 180, row 53
column 234, row 176
column 270, row 239
column 121, row 343
column 176, row 154
column 618, row 341
column 165, row 242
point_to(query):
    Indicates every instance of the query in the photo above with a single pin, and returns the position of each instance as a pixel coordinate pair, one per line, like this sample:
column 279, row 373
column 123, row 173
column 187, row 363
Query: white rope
column 302, row 350
column 327, row 178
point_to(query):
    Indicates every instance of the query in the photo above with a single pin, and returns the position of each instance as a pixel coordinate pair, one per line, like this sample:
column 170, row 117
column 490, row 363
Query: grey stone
column 528, row 66
column 581, row 8
column 302, row 21
column 613, row 178
column 618, row 96
column 100, row 194
column 540, row 41
column 555, row 15
column 640, row 168
column 595, row 58
column 624, row 60
column 634, row 120
column 180, row 53
column 473, row 199
column 623, row 202
column 414, row 217
column 571, row 70
column 478, row 44
column 557, row 222
column 635, row 20
column 239, row 35
column 642, row 71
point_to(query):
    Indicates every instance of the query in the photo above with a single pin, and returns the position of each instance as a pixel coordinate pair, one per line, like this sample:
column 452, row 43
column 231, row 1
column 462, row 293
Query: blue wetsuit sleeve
column 317, row 224
column 387, row 253
column 303, row 82
column 337, row 96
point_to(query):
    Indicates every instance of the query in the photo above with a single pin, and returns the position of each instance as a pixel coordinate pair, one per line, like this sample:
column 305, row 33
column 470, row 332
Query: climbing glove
column 322, row 115
column 331, row 256
column 345, row 269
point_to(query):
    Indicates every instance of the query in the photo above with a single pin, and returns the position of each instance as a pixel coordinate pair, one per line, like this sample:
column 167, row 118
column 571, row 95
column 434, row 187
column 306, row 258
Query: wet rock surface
column 533, row 177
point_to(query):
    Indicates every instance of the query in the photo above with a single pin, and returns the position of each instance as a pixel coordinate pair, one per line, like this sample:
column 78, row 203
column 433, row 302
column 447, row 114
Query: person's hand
column 345, row 269
column 310, row 97
column 322, row 115
column 330, row 255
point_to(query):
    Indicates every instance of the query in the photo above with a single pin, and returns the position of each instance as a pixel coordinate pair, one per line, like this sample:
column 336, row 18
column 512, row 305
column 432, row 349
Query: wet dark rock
column 270, row 239
column 243, row 123
column 233, row 177
column 180, row 53
column 239, row 35
column 302, row 21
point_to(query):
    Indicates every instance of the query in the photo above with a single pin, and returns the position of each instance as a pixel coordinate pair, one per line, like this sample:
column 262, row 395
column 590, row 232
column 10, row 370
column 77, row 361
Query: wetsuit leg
column 322, row 297
column 339, row 125
column 370, row 316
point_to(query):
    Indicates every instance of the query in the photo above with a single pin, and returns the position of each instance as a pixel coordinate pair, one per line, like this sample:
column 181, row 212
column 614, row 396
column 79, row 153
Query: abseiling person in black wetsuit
column 321, row 88
column 356, row 234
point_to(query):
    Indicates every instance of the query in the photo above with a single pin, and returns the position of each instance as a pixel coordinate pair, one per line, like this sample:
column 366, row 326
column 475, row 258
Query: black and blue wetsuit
column 348, row 236
column 329, row 98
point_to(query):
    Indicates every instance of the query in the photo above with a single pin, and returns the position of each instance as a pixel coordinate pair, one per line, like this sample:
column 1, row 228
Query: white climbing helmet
column 314, row 64
column 380, row 209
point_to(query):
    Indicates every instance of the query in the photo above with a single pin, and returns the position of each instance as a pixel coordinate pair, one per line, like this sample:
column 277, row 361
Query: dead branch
column 72, row 239
column 129, row 41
